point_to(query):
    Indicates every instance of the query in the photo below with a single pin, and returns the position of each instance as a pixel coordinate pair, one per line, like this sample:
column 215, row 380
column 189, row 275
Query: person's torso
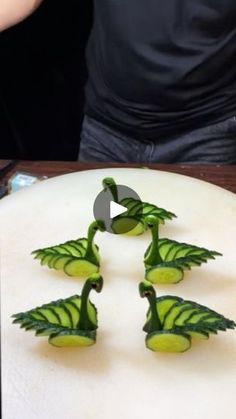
column 163, row 56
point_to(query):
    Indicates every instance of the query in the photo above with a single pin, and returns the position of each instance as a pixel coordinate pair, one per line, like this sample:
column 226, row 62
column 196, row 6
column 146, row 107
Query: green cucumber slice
column 169, row 256
column 185, row 315
column 75, row 313
column 51, row 261
column 137, row 231
column 173, row 314
column 49, row 315
column 171, row 341
column 127, row 202
column 121, row 225
column 92, row 313
column 198, row 335
column 38, row 254
column 147, row 208
column 80, row 267
column 164, row 305
column 73, row 339
column 61, row 261
column 60, row 250
column 197, row 317
column 74, row 250
column 46, row 258
column 83, row 242
column 64, row 315
column 164, row 247
column 164, row 275
column 136, row 209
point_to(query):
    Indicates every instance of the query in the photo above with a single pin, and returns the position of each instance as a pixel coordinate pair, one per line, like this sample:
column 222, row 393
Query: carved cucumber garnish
column 68, row 322
column 136, row 212
column 75, row 257
column 172, row 322
column 165, row 260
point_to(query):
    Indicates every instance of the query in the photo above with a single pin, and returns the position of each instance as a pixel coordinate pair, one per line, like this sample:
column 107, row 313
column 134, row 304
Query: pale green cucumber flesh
column 78, row 338
column 46, row 258
column 52, row 261
column 137, row 230
column 164, row 306
column 71, row 249
column 180, row 321
column 92, row 313
column 164, row 275
column 163, row 341
column 74, row 312
column 197, row 317
column 123, row 225
column 80, row 267
column 42, row 334
column 61, row 261
column 198, row 335
column 171, row 316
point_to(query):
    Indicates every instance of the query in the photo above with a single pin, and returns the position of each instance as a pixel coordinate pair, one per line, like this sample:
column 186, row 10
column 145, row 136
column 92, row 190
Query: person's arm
column 13, row 11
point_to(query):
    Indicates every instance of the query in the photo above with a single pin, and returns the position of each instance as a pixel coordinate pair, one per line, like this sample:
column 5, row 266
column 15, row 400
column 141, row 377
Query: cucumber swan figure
column 172, row 322
column 68, row 322
column 75, row 257
column 136, row 211
column 165, row 260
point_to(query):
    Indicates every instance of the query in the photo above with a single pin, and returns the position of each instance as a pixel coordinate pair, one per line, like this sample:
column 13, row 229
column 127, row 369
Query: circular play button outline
column 127, row 205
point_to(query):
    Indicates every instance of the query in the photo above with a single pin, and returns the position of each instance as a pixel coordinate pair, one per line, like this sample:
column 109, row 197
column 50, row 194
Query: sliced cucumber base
column 198, row 335
column 137, row 231
column 164, row 275
column 80, row 267
column 166, row 341
column 79, row 338
column 124, row 225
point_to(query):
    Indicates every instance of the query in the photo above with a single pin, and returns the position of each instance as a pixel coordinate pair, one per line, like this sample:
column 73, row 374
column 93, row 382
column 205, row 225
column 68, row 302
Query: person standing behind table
column 162, row 83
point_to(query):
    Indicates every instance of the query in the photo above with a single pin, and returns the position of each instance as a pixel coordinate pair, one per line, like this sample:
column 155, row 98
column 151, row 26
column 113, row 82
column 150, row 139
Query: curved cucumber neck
column 90, row 251
column 154, row 322
column 154, row 257
column 84, row 322
column 114, row 192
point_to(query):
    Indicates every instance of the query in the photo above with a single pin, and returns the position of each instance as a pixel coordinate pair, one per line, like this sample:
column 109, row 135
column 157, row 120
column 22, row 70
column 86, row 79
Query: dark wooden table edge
column 220, row 175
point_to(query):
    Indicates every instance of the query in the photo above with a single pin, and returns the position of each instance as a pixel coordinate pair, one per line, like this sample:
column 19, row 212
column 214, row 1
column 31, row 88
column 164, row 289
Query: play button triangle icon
column 116, row 209
column 116, row 216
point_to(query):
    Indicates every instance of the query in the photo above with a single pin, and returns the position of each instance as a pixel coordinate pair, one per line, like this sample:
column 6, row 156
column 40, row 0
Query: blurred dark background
column 42, row 77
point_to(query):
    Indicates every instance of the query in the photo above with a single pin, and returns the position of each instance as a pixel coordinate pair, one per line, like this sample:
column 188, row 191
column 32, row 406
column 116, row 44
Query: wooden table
column 224, row 176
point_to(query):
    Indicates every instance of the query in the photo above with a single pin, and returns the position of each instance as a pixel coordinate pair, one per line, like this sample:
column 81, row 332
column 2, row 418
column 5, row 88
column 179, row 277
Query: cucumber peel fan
column 75, row 257
column 136, row 211
column 173, row 322
column 165, row 260
column 66, row 322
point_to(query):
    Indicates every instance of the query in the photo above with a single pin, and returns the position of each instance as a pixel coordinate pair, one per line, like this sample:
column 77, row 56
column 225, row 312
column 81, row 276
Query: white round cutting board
column 118, row 377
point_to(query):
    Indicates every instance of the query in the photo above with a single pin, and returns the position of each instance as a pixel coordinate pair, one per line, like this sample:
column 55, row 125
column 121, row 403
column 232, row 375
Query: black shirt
column 157, row 67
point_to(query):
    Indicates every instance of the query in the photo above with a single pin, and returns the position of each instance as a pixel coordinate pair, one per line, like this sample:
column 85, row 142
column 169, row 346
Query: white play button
column 116, row 209
column 110, row 210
